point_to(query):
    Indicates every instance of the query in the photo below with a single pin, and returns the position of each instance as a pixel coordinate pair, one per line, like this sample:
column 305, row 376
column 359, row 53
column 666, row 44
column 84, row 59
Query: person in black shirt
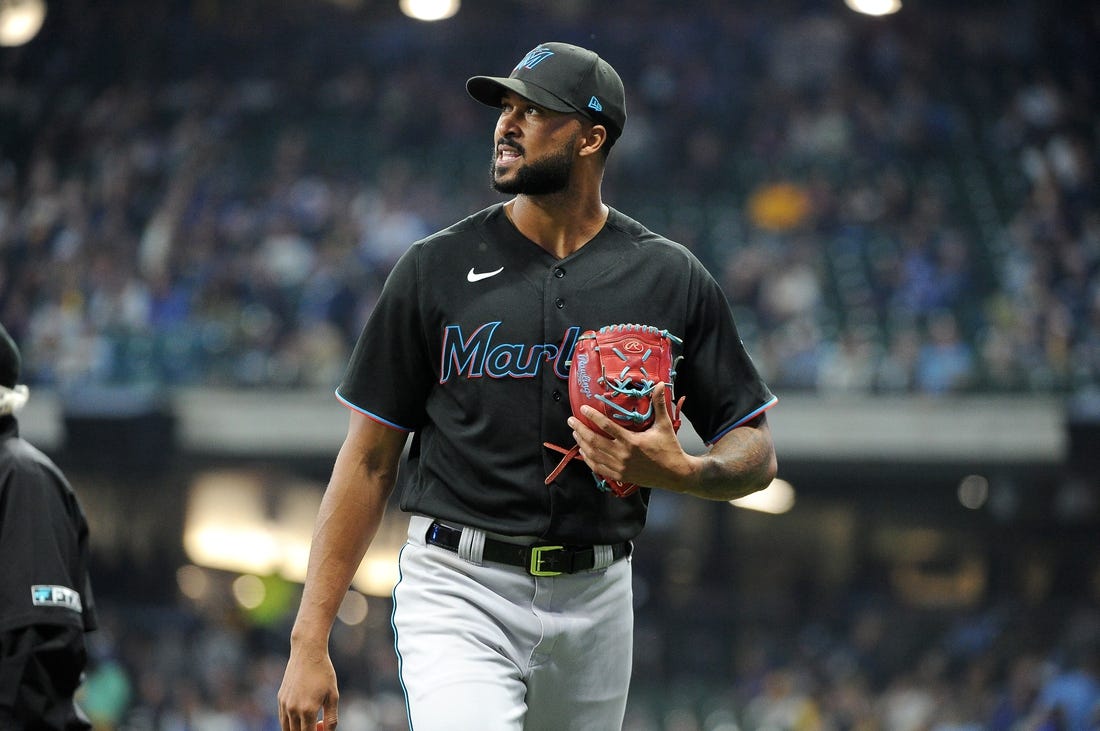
column 46, row 604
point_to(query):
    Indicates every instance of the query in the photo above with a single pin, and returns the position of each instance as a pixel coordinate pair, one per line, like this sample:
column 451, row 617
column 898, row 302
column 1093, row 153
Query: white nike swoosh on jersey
column 473, row 276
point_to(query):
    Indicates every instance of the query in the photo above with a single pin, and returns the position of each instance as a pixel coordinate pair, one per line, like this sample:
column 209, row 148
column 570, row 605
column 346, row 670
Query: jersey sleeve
column 389, row 374
column 44, row 577
column 722, row 386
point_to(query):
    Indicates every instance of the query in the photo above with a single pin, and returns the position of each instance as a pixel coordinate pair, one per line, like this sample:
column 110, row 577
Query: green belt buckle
column 535, row 569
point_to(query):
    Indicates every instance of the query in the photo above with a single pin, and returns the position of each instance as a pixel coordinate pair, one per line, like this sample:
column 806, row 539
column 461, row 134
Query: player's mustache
column 509, row 143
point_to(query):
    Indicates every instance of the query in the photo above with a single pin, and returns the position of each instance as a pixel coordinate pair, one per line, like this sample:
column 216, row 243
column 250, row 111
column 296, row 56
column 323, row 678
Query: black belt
column 537, row 560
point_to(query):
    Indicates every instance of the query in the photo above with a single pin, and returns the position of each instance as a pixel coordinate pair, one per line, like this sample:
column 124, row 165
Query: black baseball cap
column 562, row 78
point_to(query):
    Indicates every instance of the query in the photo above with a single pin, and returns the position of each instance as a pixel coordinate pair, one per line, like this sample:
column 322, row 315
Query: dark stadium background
column 200, row 198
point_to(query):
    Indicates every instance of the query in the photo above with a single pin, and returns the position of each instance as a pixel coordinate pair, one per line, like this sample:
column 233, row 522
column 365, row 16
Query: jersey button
column 559, row 303
column 559, row 272
column 556, row 395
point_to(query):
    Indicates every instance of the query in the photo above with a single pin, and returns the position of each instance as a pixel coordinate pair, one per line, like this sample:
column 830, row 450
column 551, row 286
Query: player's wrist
column 310, row 636
column 709, row 479
column 685, row 475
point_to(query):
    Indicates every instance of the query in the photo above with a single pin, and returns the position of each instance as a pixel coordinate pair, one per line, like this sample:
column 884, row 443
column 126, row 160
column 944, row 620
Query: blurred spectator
column 945, row 363
column 848, row 366
column 1072, row 693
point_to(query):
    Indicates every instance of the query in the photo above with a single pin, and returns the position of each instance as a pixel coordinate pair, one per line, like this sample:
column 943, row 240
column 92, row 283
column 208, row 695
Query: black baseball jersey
column 468, row 348
column 43, row 540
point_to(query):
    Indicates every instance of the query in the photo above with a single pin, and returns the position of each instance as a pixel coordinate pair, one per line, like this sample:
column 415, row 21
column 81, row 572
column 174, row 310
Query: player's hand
column 654, row 457
column 309, row 685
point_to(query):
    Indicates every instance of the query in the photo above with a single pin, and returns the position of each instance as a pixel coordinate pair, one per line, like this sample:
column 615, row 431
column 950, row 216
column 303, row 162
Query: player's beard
column 542, row 177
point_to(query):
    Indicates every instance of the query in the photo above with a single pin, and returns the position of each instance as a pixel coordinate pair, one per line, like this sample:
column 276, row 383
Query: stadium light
column 429, row 9
column 20, row 21
column 776, row 498
column 378, row 573
column 353, row 609
column 874, row 7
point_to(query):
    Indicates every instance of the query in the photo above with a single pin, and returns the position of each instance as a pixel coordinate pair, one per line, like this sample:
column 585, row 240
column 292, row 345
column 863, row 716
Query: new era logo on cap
column 594, row 103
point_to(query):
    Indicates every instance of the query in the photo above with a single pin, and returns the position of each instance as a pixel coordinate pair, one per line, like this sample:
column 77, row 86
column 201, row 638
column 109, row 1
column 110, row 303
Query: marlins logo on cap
column 533, row 58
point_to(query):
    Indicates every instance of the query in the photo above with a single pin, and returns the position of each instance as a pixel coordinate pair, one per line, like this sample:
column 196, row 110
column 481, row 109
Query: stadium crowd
column 212, row 193
column 902, row 205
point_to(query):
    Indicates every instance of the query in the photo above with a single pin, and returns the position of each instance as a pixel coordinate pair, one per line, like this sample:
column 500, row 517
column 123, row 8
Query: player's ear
column 594, row 140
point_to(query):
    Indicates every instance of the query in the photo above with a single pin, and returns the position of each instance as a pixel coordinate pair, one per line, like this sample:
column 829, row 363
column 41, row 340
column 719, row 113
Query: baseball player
column 514, row 608
column 46, row 603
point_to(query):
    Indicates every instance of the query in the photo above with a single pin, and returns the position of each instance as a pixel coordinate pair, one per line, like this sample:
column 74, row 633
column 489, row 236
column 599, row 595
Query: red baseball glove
column 614, row 370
